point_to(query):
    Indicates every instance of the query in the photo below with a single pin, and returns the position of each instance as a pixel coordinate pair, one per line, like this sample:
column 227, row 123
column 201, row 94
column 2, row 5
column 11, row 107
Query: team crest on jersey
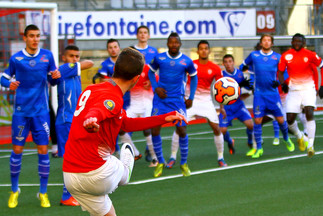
column 71, row 65
column 209, row 71
column 19, row 58
column 257, row 110
column 265, row 59
column 109, row 104
column 44, row 59
column 289, row 57
column 305, row 59
column 172, row 63
column 195, row 66
column 32, row 63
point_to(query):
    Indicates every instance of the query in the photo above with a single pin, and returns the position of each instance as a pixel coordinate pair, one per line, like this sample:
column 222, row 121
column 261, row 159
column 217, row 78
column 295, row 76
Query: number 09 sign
column 265, row 21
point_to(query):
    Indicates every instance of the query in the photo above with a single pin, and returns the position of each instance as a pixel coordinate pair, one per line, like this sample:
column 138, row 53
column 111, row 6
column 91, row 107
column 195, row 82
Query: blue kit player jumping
column 68, row 90
column 169, row 95
column 33, row 68
column 264, row 63
column 238, row 109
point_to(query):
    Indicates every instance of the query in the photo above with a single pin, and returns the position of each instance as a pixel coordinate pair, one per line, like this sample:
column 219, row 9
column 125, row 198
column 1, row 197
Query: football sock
column 183, row 143
column 284, row 129
column 66, row 195
column 227, row 137
column 218, row 141
column 150, row 146
column 250, row 135
column 175, row 145
column 126, row 138
column 157, row 142
column 43, row 171
column 258, row 135
column 311, row 128
column 294, row 129
column 303, row 120
column 276, row 129
column 15, row 167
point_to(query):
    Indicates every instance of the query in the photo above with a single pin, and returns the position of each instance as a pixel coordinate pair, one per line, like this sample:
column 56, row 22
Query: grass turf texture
column 288, row 187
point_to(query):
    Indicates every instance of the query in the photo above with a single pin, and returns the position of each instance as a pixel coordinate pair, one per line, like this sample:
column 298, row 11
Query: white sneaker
column 276, row 141
column 127, row 157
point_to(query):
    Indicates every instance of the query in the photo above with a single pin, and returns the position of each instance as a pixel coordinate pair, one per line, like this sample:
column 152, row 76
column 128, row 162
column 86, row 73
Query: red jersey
column 137, row 90
column 86, row 151
column 206, row 73
column 299, row 67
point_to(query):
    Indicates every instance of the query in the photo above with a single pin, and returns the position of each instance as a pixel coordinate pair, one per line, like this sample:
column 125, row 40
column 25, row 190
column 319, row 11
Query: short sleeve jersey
column 69, row 89
column 299, row 68
column 149, row 52
column 172, row 73
column 265, row 67
column 32, row 71
column 87, row 151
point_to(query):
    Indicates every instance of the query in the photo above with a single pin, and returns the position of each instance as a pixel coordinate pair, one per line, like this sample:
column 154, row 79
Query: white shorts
column 91, row 189
column 202, row 107
column 140, row 108
column 296, row 100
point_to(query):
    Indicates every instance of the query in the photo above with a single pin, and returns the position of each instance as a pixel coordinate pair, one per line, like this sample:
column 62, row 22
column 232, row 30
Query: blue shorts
column 267, row 104
column 62, row 131
column 161, row 107
column 242, row 114
column 38, row 125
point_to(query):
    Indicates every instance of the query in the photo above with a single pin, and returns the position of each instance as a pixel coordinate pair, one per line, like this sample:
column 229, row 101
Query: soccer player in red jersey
column 202, row 106
column 301, row 89
column 90, row 170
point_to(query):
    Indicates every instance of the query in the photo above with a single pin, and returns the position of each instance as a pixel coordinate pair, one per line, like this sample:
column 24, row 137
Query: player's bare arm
column 86, row 64
column 14, row 85
column 161, row 92
column 222, row 111
column 91, row 125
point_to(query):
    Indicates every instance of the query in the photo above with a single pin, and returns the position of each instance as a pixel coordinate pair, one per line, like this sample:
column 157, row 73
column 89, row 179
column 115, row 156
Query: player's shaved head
column 129, row 64
column 71, row 47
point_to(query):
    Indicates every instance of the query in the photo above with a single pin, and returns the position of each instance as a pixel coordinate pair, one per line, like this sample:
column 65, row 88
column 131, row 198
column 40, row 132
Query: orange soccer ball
column 225, row 91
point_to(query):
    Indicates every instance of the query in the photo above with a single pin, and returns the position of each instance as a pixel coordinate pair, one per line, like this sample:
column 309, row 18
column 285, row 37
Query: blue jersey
column 237, row 75
column 265, row 68
column 32, row 71
column 107, row 67
column 172, row 73
column 68, row 89
column 149, row 52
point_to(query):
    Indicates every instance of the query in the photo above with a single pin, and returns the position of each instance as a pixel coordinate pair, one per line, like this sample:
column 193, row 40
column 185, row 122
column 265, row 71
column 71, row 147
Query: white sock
column 218, row 141
column 175, row 145
column 303, row 120
column 151, row 147
column 294, row 129
column 126, row 138
column 254, row 143
column 54, row 148
column 311, row 128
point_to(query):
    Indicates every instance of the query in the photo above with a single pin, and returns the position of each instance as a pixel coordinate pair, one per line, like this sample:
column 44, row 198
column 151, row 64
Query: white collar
column 266, row 54
column 139, row 48
column 27, row 54
column 178, row 56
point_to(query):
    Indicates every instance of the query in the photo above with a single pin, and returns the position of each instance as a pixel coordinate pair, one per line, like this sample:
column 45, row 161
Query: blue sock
column 227, row 137
column 15, row 167
column 66, row 195
column 249, row 134
column 43, row 171
column 157, row 142
column 117, row 145
column 284, row 130
column 258, row 134
column 183, row 144
column 276, row 129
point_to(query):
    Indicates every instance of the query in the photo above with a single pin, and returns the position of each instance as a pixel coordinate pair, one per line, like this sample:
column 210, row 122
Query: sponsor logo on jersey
column 182, row 62
column 19, row 58
column 289, row 57
column 274, row 57
column 19, row 138
column 161, row 58
column 257, row 55
column 44, row 59
column 109, row 104
column 257, row 111
column 151, row 51
column 209, row 71
column 232, row 20
column 32, row 63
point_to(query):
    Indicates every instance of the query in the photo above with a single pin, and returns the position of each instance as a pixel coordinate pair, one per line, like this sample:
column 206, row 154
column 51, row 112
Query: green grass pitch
column 278, row 185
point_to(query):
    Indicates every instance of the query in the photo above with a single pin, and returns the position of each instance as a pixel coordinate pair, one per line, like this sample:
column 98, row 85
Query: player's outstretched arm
column 90, row 124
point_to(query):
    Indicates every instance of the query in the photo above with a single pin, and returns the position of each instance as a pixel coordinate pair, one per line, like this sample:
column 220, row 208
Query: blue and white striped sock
column 276, row 129
column 258, row 135
column 183, row 144
column 15, row 168
column 227, row 137
column 249, row 134
column 284, row 130
column 157, row 142
column 43, row 171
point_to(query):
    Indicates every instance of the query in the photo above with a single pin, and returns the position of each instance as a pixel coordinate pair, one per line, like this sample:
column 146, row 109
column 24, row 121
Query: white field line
column 193, row 173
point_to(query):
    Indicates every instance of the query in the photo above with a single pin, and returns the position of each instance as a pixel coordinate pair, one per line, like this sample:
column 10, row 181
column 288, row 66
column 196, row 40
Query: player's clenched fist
column 55, row 74
column 91, row 125
column 14, row 85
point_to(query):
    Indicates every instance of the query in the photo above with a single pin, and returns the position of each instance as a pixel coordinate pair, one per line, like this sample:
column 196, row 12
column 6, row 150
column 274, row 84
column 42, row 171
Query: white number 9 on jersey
column 84, row 97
